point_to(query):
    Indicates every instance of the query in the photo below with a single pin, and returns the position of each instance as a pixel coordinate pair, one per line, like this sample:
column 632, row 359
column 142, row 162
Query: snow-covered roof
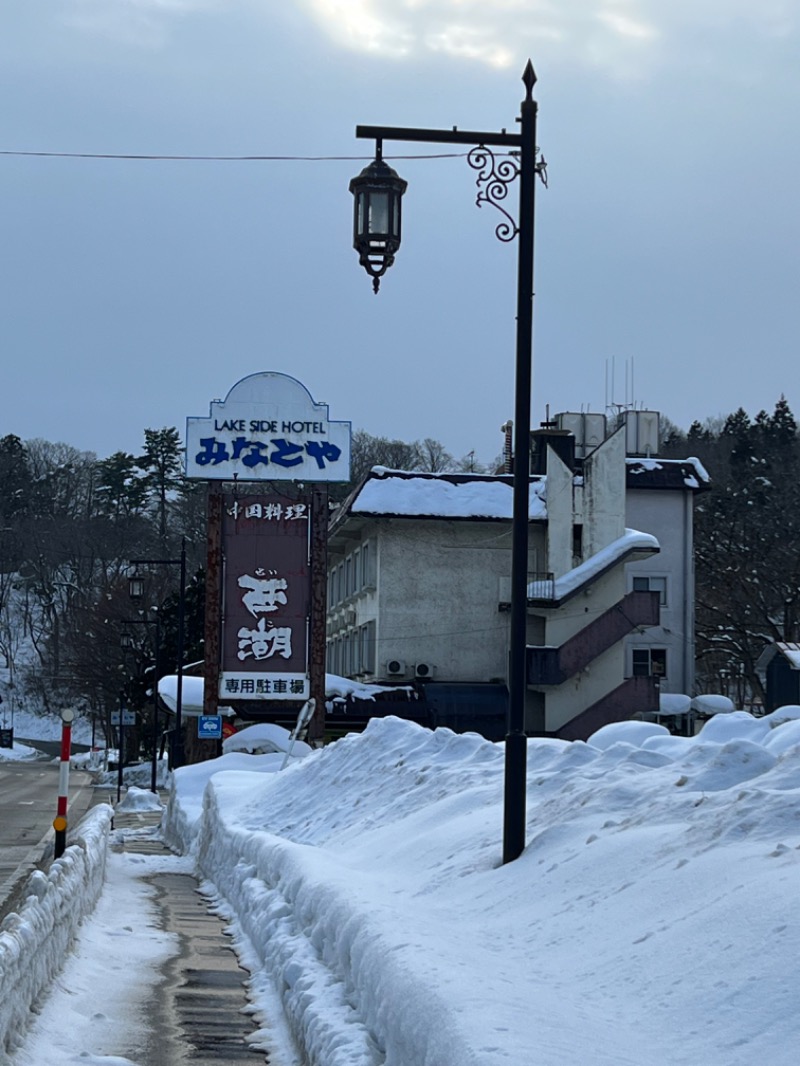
column 791, row 652
column 658, row 473
column 632, row 542
column 401, row 493
column 192, row 693
column 788, row 649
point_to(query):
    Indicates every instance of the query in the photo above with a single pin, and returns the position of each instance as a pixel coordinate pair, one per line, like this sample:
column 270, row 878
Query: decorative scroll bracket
column 493, row 180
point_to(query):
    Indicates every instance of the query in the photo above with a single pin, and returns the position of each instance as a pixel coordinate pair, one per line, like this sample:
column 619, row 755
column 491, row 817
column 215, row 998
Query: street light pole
column 156, row 663
column 516, row 753
column 376, row 231
column 136, row 591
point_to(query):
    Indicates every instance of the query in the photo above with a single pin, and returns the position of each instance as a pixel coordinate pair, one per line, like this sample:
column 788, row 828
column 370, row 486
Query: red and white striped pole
column 60, row 820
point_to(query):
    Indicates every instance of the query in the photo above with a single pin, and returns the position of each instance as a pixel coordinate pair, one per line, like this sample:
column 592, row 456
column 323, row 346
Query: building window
column 355, row 575
column 367, row 647
column 577, row 543
column 652, row 584
column 649, row 662
column 367, row 566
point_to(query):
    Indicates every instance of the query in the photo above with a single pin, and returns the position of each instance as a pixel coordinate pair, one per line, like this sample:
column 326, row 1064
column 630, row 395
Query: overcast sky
column 135, row 292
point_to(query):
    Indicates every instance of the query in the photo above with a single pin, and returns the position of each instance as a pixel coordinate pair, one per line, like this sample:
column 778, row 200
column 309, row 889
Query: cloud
column 496, row 33
column 626, row 36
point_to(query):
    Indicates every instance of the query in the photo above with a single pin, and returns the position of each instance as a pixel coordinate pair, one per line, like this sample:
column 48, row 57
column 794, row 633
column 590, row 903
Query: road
column 28, row 797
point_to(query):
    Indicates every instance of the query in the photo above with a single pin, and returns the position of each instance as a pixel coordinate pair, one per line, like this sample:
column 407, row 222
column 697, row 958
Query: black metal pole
column 181, row 639
column 516, row 741
column 120, row 746
column 525, row 143
column 154, row 768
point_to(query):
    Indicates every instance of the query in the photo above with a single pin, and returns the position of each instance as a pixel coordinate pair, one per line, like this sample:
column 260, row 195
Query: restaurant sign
column 268, row 428
column 266, row 598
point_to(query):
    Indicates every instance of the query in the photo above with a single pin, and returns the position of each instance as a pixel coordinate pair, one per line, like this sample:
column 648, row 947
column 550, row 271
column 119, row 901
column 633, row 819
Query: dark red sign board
column 266, row 598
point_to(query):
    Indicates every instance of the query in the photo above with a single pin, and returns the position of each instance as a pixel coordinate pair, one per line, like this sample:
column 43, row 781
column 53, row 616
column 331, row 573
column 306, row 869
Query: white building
column 419, row 583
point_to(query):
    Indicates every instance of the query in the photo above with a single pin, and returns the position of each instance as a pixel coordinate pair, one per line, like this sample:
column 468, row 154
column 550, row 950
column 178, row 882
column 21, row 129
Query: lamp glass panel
column 379, row 212
column 360, row 197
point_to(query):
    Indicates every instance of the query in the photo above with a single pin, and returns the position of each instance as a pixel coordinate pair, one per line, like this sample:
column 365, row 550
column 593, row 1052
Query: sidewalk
column 152, row 979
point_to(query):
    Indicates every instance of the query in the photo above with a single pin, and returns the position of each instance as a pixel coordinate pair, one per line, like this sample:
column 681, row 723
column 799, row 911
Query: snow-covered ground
column 47, row 727
column 649, row 922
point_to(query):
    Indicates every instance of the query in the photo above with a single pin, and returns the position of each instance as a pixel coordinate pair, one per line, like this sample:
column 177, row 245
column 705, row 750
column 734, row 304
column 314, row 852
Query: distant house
column 779, row 669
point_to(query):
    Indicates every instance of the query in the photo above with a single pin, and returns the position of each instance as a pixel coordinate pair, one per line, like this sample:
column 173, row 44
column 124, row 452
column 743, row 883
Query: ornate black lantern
column 135, row 586
column 378, row 191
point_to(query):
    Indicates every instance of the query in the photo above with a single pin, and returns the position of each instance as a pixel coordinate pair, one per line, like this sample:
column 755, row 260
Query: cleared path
column 197, row 1011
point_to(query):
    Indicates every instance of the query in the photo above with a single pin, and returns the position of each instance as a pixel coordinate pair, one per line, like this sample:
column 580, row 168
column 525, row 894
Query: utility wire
column 224, row 158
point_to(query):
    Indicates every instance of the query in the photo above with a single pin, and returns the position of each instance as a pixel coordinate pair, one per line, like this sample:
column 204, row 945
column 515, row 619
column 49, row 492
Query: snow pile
column 674, row 703
column 139, row 775
column 35, row 940
column 789, row 713
column 712, row 704
column 140, row 799
column 264, row 738
column 645, row 922
column 18, row 753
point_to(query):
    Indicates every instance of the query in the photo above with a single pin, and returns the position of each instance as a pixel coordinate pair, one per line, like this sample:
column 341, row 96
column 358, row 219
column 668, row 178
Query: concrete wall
column 604, row 495
column 441, row 584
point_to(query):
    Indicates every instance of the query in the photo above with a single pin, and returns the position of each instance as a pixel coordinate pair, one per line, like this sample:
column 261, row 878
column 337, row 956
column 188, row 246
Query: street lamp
column 135, row 586
column 377, row 240
column 378, row 191
column 127, row 642
column 136, row 590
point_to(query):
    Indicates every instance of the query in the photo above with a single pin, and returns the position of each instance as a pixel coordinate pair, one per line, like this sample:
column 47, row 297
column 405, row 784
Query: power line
column 221, row 158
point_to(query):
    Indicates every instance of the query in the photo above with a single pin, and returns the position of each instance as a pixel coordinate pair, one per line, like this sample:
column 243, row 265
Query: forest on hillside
column 70, row 525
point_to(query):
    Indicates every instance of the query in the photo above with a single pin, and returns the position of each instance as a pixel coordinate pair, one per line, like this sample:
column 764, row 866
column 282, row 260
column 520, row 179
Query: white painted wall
column 667, row 514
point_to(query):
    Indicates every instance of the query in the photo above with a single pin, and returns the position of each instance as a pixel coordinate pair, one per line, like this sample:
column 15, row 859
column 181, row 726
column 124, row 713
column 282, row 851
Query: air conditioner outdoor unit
column 424, row 670
column 395, row 667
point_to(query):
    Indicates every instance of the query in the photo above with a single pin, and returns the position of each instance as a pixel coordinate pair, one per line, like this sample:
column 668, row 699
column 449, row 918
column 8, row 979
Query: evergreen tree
column 162, row 463
column 120, row 490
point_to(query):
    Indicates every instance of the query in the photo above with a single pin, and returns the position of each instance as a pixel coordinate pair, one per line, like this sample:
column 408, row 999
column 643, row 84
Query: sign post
column 60, row 820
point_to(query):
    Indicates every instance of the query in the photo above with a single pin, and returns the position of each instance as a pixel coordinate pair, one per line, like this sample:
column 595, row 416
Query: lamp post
column 136, row 590
column 156, row 649
column 378, row 191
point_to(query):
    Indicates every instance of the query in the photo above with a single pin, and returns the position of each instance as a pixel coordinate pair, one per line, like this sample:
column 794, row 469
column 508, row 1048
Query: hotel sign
column 268, row 428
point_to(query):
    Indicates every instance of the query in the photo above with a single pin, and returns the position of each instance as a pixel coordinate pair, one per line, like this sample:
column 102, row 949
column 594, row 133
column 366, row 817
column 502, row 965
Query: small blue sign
column 209, row 727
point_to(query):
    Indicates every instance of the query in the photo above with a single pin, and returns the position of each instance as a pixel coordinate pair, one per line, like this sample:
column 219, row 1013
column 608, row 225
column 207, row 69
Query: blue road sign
column 209, row 727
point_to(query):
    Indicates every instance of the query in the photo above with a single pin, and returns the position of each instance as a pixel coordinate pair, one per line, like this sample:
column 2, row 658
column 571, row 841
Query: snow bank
column 19, row 753
column 364, row 888
column 35, row 940
column 185, row 804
